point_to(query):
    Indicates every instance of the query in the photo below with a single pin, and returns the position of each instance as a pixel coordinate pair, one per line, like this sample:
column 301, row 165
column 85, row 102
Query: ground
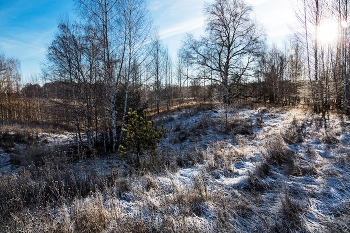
column 236, row 170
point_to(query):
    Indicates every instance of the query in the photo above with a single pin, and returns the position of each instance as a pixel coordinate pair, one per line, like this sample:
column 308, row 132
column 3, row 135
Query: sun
column 328, row 32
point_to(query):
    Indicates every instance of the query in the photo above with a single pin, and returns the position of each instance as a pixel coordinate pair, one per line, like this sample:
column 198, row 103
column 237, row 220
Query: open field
column 266, row 170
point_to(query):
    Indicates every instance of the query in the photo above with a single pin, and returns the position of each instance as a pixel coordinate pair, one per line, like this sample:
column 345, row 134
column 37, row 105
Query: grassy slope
column 268, row 170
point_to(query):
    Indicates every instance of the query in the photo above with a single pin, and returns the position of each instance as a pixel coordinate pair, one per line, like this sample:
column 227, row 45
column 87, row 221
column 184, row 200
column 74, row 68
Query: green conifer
column 140, row 136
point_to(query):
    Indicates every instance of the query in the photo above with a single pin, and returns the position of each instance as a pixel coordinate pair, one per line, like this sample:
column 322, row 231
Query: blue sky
column 28, row 26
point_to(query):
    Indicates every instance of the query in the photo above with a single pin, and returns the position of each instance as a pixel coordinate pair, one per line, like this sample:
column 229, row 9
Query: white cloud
column 257, row 2
column 155, row 5
column 182, row 28
column 26, row 44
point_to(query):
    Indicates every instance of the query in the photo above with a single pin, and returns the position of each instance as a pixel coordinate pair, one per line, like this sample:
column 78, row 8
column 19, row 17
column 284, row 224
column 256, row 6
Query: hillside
column 266, row 170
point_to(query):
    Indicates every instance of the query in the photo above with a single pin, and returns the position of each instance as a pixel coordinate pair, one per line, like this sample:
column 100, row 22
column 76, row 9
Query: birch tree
column 232, row 44
column 137, row 31
column 341, row 8
column 9, row 85
column 104, row 15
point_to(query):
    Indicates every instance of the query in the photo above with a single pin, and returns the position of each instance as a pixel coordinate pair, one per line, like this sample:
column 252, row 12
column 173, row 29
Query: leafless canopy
column 232, row 42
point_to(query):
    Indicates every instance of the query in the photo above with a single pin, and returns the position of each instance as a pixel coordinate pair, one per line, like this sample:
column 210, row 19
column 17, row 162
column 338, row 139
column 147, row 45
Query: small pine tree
column 140, row 136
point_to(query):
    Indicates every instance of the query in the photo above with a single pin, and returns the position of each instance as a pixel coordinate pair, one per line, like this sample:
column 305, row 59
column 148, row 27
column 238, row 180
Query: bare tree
column 137, row 31
column 105, row 15
column 157, row 71
column 179, row 74
column 273, row 67
column 311, row 14
column 341, row 7
column 9, row 85
column 66, row 63
column 160, row 69
column 168, row 78
column 232, row 44
column 295, row 69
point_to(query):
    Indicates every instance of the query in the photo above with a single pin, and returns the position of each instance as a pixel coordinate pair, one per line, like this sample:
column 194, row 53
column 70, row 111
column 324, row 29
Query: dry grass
column 329, row 139
column 188, row 130
column 91, row 216
column 191, row 201
column 256, row 177
column 38, row 156
column 33, row 128
column 340, row 224
column 11, row 136
column 294, row 133
column 51, row 184
column 290, row 163
column 190, row 158
column 239, row 126
column 256, row 183
column 221, row 156
column 289, row 215
column 181, row 190
column 150, row 183
column 262, row 170
column 88, row 216
column 311, row 153
column 277, row 153
column 190, row 106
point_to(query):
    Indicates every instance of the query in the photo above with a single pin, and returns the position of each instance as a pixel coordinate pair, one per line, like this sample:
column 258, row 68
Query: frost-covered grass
column 267, row 170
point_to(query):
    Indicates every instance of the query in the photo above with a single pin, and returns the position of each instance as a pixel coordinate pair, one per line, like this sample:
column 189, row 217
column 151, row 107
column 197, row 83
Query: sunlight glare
column 328, row 32
column 344, row 24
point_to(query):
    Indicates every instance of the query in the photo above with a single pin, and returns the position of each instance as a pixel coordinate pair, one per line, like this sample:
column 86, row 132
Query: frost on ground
column 256, row 170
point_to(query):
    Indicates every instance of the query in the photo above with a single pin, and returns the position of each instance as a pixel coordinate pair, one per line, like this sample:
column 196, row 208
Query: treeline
column 324, row 57
column 111, row 59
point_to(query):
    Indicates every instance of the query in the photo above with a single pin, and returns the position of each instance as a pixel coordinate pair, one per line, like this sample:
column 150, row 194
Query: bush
column 240, row 126
column 140, row 136
column 294, row 133
column 289, row 220
column 277, row 153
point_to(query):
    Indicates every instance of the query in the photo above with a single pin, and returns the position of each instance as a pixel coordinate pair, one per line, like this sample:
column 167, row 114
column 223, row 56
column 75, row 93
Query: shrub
column 37, row 156
column 255, row 183
column 279, row 154
column 189, row 158
column 240, row 126
column 293, row 134
column 262, row 170
column 290, row 220
column 330, row 139
column 150, row 183
column 140, row 136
